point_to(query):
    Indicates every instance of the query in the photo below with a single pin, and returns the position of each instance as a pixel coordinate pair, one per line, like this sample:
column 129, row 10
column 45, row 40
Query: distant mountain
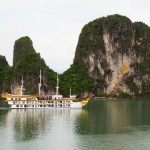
column 114, row 53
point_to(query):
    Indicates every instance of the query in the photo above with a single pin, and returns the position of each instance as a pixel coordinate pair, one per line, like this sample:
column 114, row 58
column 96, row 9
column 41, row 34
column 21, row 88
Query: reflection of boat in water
column 42, row 101
column 29, row 124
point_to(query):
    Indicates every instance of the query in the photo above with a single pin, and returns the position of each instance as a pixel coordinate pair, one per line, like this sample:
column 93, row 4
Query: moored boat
column 36, row 101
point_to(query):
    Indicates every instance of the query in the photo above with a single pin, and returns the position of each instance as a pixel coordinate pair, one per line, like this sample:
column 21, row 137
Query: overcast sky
column 54, row 25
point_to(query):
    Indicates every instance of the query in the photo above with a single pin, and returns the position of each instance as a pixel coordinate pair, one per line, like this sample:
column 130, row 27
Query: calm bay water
column 102, row 125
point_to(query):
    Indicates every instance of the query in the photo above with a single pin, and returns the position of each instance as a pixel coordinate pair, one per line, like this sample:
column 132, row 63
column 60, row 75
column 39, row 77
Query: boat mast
column 40, row 83
column 70, row 92
column 57, row 87
column 21, row 87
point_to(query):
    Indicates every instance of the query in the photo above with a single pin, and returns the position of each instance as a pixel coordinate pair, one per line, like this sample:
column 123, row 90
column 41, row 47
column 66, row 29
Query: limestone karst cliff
column 116, row 52
column 27, row 65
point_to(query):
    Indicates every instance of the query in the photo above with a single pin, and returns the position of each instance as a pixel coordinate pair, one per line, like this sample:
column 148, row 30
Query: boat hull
column 25, row 104
column 30, row 101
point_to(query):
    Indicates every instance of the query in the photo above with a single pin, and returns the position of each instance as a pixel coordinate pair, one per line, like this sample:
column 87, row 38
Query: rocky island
column 111, row 58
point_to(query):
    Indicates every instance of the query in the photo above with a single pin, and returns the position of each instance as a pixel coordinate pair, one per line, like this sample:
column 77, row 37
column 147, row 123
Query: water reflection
column 99, row 122
column 28, row 124
column 3, row 115
column 113, row 117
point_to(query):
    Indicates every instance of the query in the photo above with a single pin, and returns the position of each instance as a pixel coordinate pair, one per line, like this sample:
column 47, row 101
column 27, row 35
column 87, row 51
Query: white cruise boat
column 42, row 101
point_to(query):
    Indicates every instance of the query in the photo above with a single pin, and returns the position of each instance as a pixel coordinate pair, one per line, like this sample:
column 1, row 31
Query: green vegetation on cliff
column 77, row 79
column 29, row 68
column 5, row 75
column 22, row 47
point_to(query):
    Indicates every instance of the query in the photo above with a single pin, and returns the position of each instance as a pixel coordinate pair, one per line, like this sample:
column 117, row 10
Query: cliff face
column 116, row 53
